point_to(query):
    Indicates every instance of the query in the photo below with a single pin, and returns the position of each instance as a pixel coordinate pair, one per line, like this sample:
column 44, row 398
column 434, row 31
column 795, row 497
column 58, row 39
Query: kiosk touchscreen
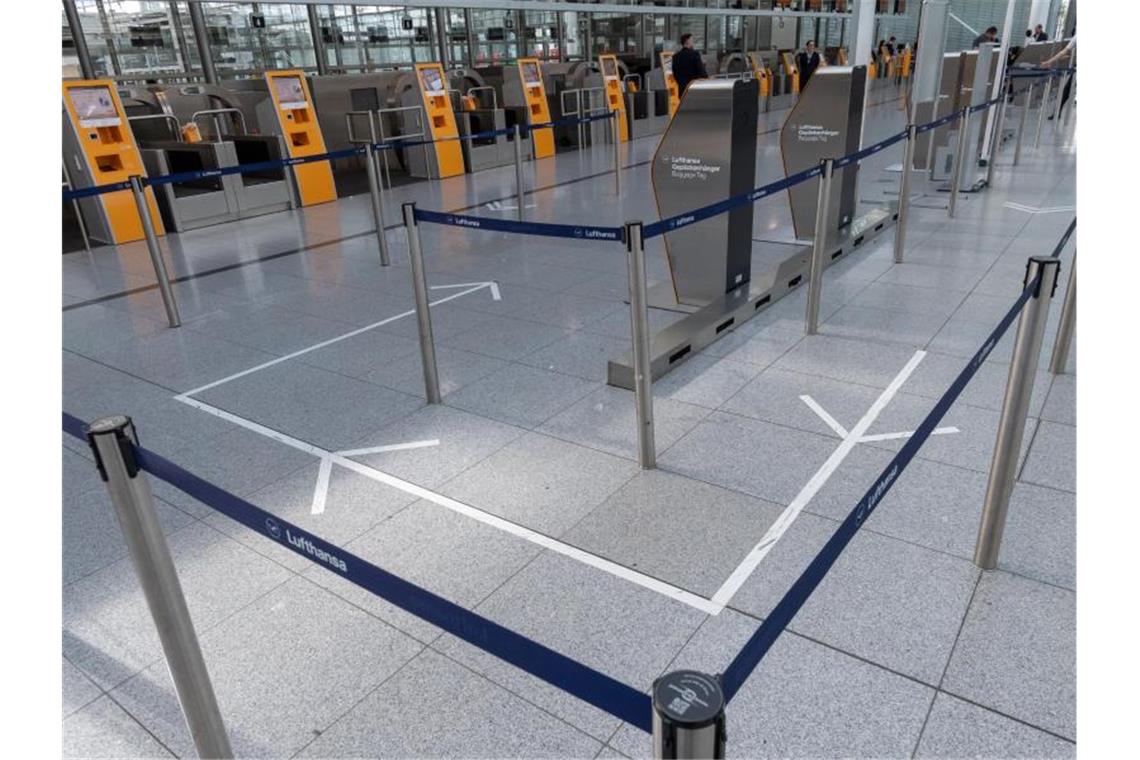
column 100, row 149
column 670, row 81
column 297, row 123
column 538, row 110
column 440, row 119
column 611, row 79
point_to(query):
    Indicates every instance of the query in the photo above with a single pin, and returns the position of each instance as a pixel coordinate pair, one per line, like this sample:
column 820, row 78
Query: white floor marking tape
column 493, row 286
column 320, row 492
column 823, row 415
column 474, row 286
column 842, row 431
column 745, row 569
column 540, row 539
column 389, row 447
column 893, row 436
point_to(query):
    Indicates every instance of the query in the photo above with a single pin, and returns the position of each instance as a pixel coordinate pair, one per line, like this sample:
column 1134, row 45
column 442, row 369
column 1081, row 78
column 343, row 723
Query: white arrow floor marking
column 842, row 432
column 320, row 492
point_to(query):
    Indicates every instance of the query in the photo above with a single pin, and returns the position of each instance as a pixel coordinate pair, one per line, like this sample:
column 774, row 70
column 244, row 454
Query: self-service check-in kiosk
column 826, row 122
column 615, row 95
column 101, row 149
column 440, row 118
column 788, row 59
column 760, row 72
column 290, row 112
column 533, row 95
column 662, row 79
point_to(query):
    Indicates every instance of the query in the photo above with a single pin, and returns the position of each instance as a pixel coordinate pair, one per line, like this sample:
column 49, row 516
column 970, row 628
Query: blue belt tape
column 870, row 151
column 937, row 123
column 87, row 192
column 592, row 686
column 781, row 615
column 1064, row 239
column 580, row 232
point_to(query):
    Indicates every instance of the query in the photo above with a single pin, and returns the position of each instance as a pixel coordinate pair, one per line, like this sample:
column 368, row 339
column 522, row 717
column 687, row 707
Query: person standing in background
column 1039, row 34
column 990, row 35
column 687, row 64
column 807, row 62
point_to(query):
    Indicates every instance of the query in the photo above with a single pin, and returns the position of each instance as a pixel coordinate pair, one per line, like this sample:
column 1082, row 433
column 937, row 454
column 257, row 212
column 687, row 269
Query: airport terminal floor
column 295, row 383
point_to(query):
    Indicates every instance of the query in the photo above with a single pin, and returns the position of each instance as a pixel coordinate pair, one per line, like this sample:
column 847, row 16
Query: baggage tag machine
column 538, row 109
column 295, row 118
column 102, row 150
column 440, row 117
column 611, row 80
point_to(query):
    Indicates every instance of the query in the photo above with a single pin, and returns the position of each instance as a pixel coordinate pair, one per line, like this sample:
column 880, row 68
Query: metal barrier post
column 819, row 246
column 1021, row 124
column 639, row 327
column 995, row 147
column 1041, row 112
column 1015, row 409
column 688, row 717
column 959, row 162
column 1060, row 94
column 112, row 439
column 423, row 308
column 1068, row 321
column 904, row 192
column 377, row 203
column 616, row 127
column 156, row 259
column 520, row 194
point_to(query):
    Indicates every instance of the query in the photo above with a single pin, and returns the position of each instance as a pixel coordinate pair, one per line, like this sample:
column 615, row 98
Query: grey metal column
column 819, row 246
column 639, row 327
column 688, row 717
column 377, row 203
column 441, row 35
column 1068, row 321
column 81, row 52
column 904, row 193
column 180, row 37
column 112, row 50
column 959, row 161
column 520, row 193
column 202, row 39
column 1021, row 124
column 156, row 259
column 1015, row 409
column 467, row 24
column 423, row 306
column 1041, row 111
column 112, row 440
column 318, row 41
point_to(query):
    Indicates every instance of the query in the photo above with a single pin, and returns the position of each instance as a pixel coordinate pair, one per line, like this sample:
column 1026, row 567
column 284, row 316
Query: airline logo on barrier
column 868, row 506
column 463, row 221
column 305, row 545
column 593, row 233
column 813, row 133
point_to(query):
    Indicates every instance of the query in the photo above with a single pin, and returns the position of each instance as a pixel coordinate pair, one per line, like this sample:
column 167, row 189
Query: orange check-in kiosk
column 101, row 149
column 615, row 97
column 297, row 122
column 670, row 81
column 788, row 58
column 761, row 73
column 441, row 125
column 537, row 107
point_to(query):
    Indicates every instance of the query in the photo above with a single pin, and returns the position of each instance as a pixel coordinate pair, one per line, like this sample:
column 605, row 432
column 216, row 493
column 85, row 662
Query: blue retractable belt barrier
column 870, row 151
column 606, row 693
column 1064, row 240
column 984, row 106
column 777, row 620
column 87, row 192
column 937, row 123
column 580, row 232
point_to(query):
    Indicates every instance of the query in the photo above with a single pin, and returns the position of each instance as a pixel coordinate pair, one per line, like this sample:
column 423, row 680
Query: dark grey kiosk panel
column 826, row 122
column 706, row 155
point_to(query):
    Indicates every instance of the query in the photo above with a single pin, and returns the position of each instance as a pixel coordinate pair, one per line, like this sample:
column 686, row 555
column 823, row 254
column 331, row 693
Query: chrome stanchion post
column 288, row 175
column 688, row 717
column 1028, row 92
column 112, row 439
column 639, row 328
column 423, row 307
column 377, row 203
column 616, row 131
column 959, row 162
column 1057, row 109
column 1068, row 321
column 995, row 146
column 904, row 192
column 520, row 194
column 1041, row 111
column 155, row 252
column 1015, row 409
column 819, row 245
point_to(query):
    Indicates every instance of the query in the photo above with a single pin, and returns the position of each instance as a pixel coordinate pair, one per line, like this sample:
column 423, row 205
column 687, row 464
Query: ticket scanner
column 100, row 149
column 615, row 96
column 440, row 121
column 291, row 113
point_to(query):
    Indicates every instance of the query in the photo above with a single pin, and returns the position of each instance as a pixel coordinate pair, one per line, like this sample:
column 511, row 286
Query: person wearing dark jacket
column 687, row 64
column 990, row 35
column 1039, row 34
column 807, row 62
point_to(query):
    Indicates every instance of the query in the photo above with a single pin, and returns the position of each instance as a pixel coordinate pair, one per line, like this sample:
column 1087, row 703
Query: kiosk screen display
column 290, row 92
column 609, row 68
column 667, row 64
column 530, row 73
column 433, row 81
column 94, row 106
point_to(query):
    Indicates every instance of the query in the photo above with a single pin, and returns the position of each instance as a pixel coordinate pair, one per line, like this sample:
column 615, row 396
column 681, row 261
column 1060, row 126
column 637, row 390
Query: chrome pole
column 1041, row 111
column 904, row 192
column 113, row 442
column 1057, row 110
column 819, row 245
column 959, row 162
column 995, row 148
column 688, row 717
column 520, row 194
column 1028, row 91
column 616, row 131
column 377, row 203
column 639, row 327
column 1068, row 321
column 1015, row 409
column 423, row 307
column 156, row 259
